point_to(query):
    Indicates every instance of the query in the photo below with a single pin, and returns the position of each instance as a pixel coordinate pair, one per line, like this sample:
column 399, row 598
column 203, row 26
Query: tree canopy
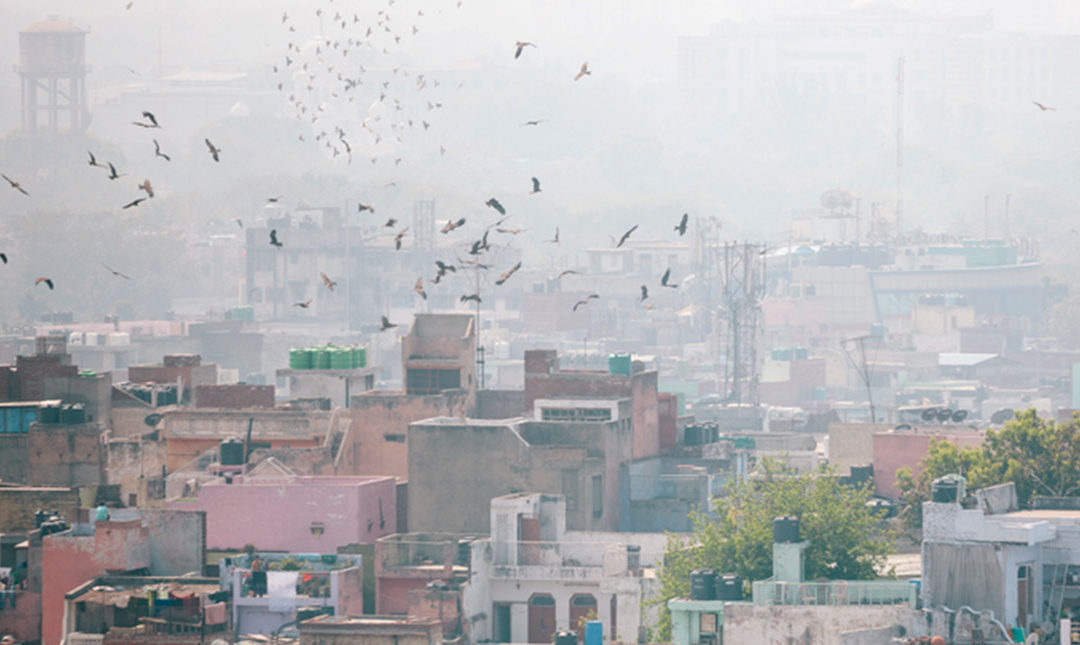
column 845, row 542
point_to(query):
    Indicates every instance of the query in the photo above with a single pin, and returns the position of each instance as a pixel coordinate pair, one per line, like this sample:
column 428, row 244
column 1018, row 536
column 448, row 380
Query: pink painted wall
column 894, row 450
column 68, row 561
column 23, row 622
column 277, row 514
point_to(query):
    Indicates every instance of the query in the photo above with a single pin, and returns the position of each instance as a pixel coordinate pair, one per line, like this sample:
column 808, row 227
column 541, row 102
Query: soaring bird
column 274, row 200
column 451, row 225
column 390, row 223
column 3, row 258
column 1042, row 107
column 567, row 272
column 134, row 202
column 471, row 296
column 159, row 153
column 419, row 288
column 506, row 275
column 443, row 268
column 327, row 281
column 533, row 122
column 644, row 293
column 14, row 184
column 536, row 186
column 360, row 208
column 93, row 161
column 583, row 71
column 554, row 240
column 273, row 239
column 626, row 235
column 48, row 282
column 400, row 236
column 303, row 305
column 494, row 203
column 115, row 272
column 511, row 231
column 586, row 300
column 214, row 151
column 112, row 172
column 521, row 45
column 681, row 227
column 386, row 324
column 239, row 222
column 149, row 117
column 664, row 280
column 147, row 187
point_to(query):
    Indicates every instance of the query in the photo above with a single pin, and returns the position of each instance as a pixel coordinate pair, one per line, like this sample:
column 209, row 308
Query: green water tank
column 619, row 364
column 322, row 358
column 361, row 356
column 341, row 358
column 299, row 358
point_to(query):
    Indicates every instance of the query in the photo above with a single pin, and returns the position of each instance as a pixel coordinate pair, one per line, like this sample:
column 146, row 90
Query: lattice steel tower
column 52, row 67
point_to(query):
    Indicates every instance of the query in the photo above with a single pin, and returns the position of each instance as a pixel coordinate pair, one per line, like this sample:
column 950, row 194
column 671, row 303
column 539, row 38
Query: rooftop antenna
column 862, row 368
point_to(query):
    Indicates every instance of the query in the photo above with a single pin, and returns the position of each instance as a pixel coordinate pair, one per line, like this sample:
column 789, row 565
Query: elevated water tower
column 52, row 65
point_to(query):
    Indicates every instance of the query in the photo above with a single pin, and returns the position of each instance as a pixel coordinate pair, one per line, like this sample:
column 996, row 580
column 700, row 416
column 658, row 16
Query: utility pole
column 862, row 368
column 899, row 147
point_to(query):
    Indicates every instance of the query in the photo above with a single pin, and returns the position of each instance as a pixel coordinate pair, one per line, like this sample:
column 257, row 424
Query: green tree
column 844, row 535
column 1040, row 457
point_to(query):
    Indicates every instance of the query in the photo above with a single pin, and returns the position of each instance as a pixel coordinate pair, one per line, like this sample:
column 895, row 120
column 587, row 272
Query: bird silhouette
column 149, row 117
column 360, row 208
column 554, row 240
column 644, row 293
column 400, row 236
column 579, row 303
column 1042, row 107
column 134, row 202
column 386, row 324
column 214, row 151
column 566, row 272
column 159, row 153
column 48, row 282
column 112, row 172
column 93, row 161
column 533, row 122
column 327, row 281
column 3, row 258
column 536, row 186
column 419, row 288
column 681, row 227
column 115, row 272
column 303, row 305
column 472, row 296
column 273, row 239
column 14, row 184
column 626, row 235
column 521, row 45
column 494, row 203
column 584, row 71
column 443, row 268
column 506, row 275
column 274, row 200
column 390, row 223
column 664, row 280
column 145, row 186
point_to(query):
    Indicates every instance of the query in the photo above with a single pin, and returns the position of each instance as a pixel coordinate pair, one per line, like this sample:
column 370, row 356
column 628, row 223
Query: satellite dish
column 959, row 416
column 152, row 419
column 944, row 414
column 1001, row 416
column 929, row 414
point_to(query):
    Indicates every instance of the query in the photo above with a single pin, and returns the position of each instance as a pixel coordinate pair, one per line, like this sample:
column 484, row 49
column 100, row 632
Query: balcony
column 559, row 560
column 423, row 555
column 835, row 592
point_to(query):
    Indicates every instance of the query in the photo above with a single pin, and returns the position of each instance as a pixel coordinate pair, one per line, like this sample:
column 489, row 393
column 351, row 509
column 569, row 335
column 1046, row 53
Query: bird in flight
column 586, row 300
column 626, row 235
column 112, row 172
column 536, row 186
column 443, row 268
column 400, row 236
column 494, row 203
column 511, row 231
column 506, row 275
column 159, row 153
column 521, row 45
column 451, row 225
column 239, row 222
column 14, row 184
column 147, row 187
column 386, row 324
column 214, row 151
column 1042, row 107
column 471, row 296
column 681, row 227
column 567, row 272
column 93, row 160
column 390, row 223
column 274, row 200
column 554, row 240
column 273, row 239
column 533, row 122
column 303, row 305
column 115, row 272
column 149, row 117
column 584, row 71
column 419, row 288
column 327, row 281
column 134, row 202
column 3, row 258
column 360, row 208
column 644, row 293
column 664, row 280
column 48, row 282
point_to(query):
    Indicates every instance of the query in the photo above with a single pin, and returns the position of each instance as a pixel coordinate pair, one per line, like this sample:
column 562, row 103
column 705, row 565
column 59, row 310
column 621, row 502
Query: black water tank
column 945, row 490
column 232, row 452
column 702, row 584
column 693, row 436
column 49, row 414
column 73, row 414
column 563, row 637
column 729, row 587
column 785, row 529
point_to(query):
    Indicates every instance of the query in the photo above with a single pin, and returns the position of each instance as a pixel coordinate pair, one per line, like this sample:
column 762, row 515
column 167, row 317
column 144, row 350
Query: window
column 575, row 414
column 432, row 381
column 597, row 496
column 570, row 489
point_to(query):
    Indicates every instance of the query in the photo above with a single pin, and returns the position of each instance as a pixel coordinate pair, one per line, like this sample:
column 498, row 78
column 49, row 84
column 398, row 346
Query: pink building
column 295, row 514
column 896, row 449
column 71, row 558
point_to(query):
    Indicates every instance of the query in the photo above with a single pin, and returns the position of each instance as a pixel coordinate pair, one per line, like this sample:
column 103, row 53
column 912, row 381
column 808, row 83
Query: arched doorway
column 541, row 618
column 582, row 609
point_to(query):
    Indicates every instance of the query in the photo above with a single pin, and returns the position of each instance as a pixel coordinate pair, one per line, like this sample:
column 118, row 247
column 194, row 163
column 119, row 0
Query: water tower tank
column 52, row 67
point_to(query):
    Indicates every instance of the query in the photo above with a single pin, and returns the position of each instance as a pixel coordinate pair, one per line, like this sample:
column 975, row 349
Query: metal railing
column 836, row 592
column 416, row 553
